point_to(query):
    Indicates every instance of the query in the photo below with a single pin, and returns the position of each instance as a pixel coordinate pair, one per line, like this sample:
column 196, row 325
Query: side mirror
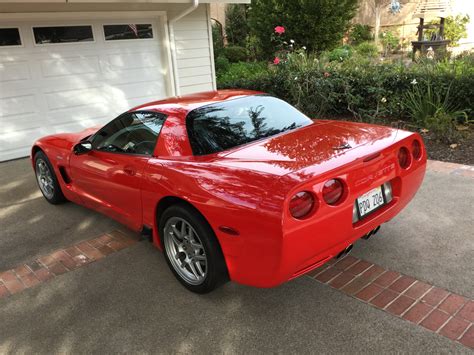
column 82, row 148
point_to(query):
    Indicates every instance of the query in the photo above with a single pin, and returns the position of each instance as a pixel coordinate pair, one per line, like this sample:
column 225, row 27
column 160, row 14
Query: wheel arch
column 168, row 201
column 35, row 149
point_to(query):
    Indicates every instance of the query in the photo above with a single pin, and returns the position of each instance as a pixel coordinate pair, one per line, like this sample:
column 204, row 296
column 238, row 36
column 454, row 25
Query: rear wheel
column 47, row 180
column 191, row 249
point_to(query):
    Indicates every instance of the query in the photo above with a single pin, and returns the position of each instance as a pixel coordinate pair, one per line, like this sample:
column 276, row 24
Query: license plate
column 370, row 201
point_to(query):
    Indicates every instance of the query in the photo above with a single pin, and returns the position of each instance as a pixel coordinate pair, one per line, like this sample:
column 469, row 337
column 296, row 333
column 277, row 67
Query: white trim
column 32, row 27
column 96, row 15
column 22, row 42
column 211, row 46
column 166, row 43
column 174, row 59
column 153, row 33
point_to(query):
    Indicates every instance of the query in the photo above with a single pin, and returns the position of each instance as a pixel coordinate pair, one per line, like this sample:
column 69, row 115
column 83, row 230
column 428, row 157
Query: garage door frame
column 162, row 25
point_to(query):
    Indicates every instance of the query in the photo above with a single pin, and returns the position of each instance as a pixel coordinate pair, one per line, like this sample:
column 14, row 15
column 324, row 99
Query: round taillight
column 332, row 191
column 302, row 204
column 416, row 149
column 404, row 158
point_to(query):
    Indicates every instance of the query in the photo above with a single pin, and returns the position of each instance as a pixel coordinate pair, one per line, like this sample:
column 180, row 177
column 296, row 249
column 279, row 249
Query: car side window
column 130, row 133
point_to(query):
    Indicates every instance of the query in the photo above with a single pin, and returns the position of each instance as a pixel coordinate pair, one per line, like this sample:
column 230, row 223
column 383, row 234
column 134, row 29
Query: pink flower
column 327, row 75
column 276, row 61
column 280, row 30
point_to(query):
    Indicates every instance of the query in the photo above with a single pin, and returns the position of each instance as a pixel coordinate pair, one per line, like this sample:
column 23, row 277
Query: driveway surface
column 130, row 302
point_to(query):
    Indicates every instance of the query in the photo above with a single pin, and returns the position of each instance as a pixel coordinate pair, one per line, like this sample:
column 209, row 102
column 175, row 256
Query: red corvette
column 234, row 184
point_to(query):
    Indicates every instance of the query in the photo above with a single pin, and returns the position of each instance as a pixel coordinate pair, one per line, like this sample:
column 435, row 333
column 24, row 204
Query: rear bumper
column 305, row 246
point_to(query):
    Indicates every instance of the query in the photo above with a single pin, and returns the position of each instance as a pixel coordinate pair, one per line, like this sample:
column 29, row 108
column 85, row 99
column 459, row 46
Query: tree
column 455, row 28
column 378, row 7
column 236, row 24
column 317, row 24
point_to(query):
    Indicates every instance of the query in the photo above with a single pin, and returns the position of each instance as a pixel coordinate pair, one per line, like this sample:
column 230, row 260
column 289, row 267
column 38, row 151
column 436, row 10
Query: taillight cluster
column 405, row 156
column 304, row 203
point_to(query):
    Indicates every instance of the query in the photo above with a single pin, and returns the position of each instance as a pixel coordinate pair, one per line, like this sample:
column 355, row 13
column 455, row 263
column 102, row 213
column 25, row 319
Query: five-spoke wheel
column 185, row 250
column 46, row 178
column 191, row 249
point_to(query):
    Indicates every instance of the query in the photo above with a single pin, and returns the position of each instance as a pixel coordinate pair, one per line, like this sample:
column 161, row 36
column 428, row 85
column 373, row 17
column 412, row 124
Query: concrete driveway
column 128, row 301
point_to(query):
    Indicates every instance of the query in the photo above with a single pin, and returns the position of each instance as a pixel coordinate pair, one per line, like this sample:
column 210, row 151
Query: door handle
column 129, row 171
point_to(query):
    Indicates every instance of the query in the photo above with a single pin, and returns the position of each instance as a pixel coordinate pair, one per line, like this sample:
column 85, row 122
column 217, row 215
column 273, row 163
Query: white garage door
column 65, row 76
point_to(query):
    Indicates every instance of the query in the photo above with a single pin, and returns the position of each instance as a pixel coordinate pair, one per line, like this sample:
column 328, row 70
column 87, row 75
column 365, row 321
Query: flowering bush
column 368, row 90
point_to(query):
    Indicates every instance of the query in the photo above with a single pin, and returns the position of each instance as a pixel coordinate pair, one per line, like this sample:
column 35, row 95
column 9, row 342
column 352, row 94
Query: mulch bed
column 463, row 153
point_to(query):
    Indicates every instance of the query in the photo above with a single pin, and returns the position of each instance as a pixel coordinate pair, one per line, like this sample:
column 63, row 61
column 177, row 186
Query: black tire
column 57, row 196
column 216, row 273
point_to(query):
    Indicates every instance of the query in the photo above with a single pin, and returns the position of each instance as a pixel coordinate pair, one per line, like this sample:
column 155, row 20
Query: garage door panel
column 150, row 88
column 29, row 121
column 70, row 66
column 127, row 76
column 93, row 111
column 133, row 60
column 14, row 71
column 71, row 98
column 17, row 105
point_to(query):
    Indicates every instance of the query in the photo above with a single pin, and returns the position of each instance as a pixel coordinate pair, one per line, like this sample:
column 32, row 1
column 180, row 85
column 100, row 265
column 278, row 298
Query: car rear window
column 225, row 125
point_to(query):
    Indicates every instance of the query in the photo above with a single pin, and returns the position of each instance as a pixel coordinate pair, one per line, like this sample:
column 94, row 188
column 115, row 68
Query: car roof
column 190, row 102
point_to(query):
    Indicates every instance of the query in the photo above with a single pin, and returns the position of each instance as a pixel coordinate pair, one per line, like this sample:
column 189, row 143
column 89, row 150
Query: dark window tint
column 9, row 37
column 63, row 34
column 132, row 133
column 131, row 31
column 215, row 128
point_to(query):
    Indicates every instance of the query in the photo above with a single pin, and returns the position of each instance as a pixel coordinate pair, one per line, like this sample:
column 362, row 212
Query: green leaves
column 317, row 24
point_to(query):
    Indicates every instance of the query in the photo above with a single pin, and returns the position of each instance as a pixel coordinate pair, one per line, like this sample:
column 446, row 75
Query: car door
column 109, row 176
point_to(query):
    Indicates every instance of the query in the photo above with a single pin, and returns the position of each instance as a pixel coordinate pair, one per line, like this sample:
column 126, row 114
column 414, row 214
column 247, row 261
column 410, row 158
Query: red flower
column 276, row 61
column 280, row 30
column 327, row 75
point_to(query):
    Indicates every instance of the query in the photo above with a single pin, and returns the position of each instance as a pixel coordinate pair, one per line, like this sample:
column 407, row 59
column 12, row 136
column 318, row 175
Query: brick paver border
column 431, row 307
column 62, row 261
column 451, row 168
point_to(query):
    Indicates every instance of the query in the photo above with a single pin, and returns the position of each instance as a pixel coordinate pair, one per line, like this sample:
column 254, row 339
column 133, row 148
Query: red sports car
column 236, row 184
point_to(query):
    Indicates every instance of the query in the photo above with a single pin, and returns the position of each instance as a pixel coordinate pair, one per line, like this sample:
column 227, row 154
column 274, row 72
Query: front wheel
column 47, row 180
column 191, row 249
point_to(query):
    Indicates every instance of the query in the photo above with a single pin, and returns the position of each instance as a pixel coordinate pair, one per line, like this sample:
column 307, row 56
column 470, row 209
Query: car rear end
column 326, row 213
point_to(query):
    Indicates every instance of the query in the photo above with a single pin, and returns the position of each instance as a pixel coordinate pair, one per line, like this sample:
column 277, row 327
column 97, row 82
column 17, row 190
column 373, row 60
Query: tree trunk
column 378, row 15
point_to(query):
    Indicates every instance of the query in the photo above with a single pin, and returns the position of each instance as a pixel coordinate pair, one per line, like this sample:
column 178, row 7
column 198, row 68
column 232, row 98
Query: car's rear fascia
column 300, row 245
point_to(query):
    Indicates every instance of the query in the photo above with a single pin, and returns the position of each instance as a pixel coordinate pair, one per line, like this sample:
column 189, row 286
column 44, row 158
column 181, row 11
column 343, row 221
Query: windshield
column 224, row 125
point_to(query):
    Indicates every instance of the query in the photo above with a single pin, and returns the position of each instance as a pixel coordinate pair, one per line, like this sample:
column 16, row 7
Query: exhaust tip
column 348, row 249
column 368, row 235
column 344, row 252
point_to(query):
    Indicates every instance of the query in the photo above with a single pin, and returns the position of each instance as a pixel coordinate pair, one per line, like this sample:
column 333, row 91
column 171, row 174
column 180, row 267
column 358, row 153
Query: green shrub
column 430, row 109
column 235, row 54
column 367, row 49
column 240, row 72
column 389, row 41
column 222, row 64
column 217, row 39
column 236, row 24
column 369, row 90
column 317, row 24
column 339, row 54
column 360, row 33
